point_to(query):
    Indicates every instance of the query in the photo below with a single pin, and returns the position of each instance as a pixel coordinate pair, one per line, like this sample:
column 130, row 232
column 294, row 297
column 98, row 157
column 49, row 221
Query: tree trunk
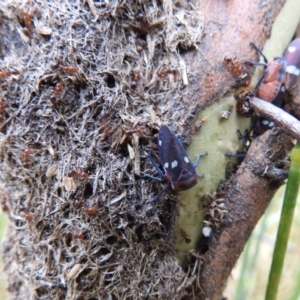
column 86, row 84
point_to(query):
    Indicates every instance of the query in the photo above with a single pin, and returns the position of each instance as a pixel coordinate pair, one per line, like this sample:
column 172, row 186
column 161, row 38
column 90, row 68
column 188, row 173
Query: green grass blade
column 286, row 219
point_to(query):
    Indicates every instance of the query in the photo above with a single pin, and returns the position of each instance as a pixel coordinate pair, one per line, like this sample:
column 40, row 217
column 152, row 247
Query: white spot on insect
column 174, row 164
column 186, row 159
column 265, row 122
column 166, row 165
column 206, row 231
column 159, row 142
column 292, row 49
column 293, row 70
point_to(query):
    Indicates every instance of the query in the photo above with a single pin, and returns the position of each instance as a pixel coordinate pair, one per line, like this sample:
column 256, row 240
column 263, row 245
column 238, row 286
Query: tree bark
column 84, row 85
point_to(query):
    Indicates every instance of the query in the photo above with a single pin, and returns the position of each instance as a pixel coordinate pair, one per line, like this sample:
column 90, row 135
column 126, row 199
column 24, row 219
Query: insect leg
column 245, row 138
column 152, row 177
column 195, row 164
column 254, row 90
column 237, row 155
column 256, row 64
column 259, row 51
column 159, row 195
column 155, row 166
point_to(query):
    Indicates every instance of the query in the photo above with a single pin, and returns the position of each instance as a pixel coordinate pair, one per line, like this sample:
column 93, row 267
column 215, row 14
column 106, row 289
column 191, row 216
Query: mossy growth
column 85, row 84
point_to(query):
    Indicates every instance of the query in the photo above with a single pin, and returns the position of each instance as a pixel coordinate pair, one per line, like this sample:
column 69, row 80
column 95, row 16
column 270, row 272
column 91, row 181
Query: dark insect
column 292, row 57
column 292, row 97
column 273, row 78
column 178, row 170
column 246, row 139
column 280, row 76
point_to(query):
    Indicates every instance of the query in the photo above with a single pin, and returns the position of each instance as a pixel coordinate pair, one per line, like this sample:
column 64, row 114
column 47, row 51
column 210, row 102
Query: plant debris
column 79, row 79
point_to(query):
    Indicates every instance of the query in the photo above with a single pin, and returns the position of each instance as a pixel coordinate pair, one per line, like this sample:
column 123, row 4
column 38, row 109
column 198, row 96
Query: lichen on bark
column 81, row 80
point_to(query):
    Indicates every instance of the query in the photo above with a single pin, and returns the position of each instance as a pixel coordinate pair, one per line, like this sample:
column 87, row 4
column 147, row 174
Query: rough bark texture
column 84, row 84
column 229, row 28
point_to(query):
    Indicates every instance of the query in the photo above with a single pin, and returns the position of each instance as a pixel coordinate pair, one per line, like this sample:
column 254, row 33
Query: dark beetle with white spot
column 280, row 76
column 292, row 57
column 179, row 172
